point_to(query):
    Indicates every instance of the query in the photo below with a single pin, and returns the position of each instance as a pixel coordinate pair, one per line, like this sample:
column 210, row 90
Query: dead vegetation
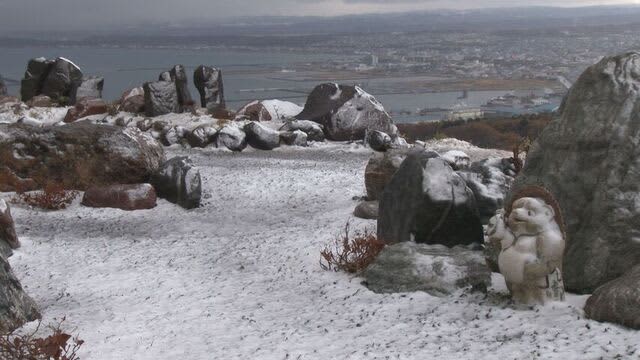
column 351, row 252
column 57, row 346
column 52, row 197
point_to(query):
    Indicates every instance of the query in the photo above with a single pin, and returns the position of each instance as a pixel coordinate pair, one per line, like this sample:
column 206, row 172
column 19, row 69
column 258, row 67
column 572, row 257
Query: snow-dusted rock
column 16, row 307
column 90, row 88
column 208, row 81
column 8, row 238
column 179, row 77
column 294, row 138
column 379, row 171
column 490, row 181
column 586, row 158
column 426, row 201
column 617, row 301
column 34, row 77
column 231, row 137
column 314, row 131
column 367, row 210
column 267, row 110
column 178, row 181
column 261, row 137
column 435, row 269
column 346, row 112
column 201, row 136
column 77, row 155
column 160, row 98
column 171, row 135
column 40, row 101
column 377, row 140
column 62, row 81
column 125, row 197
column 85, row 107
column 458, row 160
column 133, row 100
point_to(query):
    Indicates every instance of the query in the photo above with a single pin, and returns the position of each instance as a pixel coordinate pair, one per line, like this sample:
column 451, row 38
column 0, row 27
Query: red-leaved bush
column 57, row 346
column 52, row 197
column 351, row 253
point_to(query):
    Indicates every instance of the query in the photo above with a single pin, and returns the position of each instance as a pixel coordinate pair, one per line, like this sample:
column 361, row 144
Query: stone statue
column 532, row 247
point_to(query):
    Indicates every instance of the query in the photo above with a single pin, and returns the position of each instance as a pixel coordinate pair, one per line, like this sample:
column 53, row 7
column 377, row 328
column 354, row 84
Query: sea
column 247, row 75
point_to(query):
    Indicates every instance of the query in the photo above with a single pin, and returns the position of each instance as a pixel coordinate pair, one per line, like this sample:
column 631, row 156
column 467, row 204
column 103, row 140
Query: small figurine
column 532, row 243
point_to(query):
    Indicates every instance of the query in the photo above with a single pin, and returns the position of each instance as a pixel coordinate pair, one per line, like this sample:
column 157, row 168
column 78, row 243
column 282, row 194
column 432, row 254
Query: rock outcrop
column 586, row 158
column 426, row 201
column 77, row 155
column 16, row 307
column 617, row 301
column 62, row 81
column 179, row 77
column 208, row 81
column 125, row 197
column 179, row 182
column 346, row 112
column 34, row 77
column 160, row 98
column 435, row 269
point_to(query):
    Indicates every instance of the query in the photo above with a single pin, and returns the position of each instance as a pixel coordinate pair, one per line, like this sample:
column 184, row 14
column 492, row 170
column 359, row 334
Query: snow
column 3, row 206
column 38, row 116
column 239, row 278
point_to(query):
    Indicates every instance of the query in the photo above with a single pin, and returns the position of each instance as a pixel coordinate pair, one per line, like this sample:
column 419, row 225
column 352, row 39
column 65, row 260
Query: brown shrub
column 57, row 346
column 349, row 253
column 52, row 197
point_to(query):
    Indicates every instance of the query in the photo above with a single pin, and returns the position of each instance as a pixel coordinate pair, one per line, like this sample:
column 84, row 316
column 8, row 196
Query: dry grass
column 351, row 253
column 52, row 197
column 57, row 346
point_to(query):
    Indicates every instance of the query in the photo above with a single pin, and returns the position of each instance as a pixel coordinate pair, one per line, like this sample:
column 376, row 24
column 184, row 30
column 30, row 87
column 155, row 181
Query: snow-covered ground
column 240, row 278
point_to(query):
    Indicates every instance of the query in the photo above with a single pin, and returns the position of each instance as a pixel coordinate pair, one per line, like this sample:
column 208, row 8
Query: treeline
column 500, row 133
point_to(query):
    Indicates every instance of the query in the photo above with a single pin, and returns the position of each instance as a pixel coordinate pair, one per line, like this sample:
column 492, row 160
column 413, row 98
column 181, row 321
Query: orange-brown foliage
column 57, row 346
column 52, row 197
column 349, row 253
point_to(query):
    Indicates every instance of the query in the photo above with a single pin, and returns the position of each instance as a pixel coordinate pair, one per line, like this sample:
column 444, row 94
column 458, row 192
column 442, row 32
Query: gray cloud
column 60, row 15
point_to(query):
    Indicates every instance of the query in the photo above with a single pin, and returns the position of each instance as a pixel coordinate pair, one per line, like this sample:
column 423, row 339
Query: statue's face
column 530, row 216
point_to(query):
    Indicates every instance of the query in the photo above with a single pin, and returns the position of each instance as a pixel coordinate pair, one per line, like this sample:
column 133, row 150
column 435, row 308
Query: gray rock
column 617, row 301
column 34, row 77
column 160, row 98
column 426, row 201
column 3, row 87
column 379, row 171
column 78, row 155
column 586, row 158
column 377, row 140
column 8, row 237
column 179, row 77
column 294, row 138
column 133, row 100
column 165, row 76
column 172, row 135
column 261, row 137
column 201, row 136
column 231, row 137
column 314, row 131
column 90, row 88
column 16, row 307
column 208, row 81
column 435, row 269
column 179, row 182
column 346, row 112
column 367, row 210
column 63, row 81
column 490, row 181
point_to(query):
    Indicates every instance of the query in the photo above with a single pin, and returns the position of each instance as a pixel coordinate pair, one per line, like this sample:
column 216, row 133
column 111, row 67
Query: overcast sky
column 60, row 15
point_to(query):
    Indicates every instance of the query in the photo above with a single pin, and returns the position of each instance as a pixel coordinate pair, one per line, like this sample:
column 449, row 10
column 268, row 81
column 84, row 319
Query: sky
column 70, row 15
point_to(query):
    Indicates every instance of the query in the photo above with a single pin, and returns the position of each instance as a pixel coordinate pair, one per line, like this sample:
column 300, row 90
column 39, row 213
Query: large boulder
column 379, row 171
column 254, row 111
column 314, row 131
column 435, row 269
column 90, row 88
column 178, row 181
column 427, row 202
column 346, row 112
column 34, row 77
column 63, row 81
column 78, row 155
column 267, row 110
column 201, row 136
column 179, row 77
column 160, row 98
column 617, row 301
column 231, row 137
column 86, row 107
column 587, row 158
column 208, row 81
column 377, row 140
column 16, row 307
column 294, row 138
column 261, row 137
column 132, row 100
column 125, row 197
column 8, row 237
